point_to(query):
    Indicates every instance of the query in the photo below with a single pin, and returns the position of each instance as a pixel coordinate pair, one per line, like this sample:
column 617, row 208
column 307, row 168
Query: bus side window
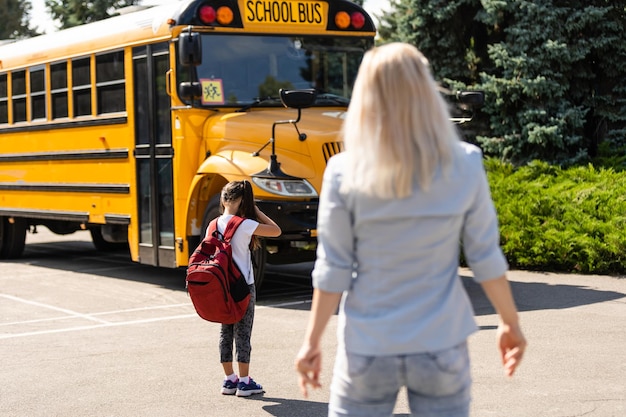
column 38, row 93
column 4, row 99
column 81, row 86
column 58, row 87
column 18, row 84
column 110, row 83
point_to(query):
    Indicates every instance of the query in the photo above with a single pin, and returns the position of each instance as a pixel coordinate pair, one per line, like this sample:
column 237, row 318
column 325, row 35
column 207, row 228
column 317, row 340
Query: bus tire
column 12, row 237
column 259, row 255
column 103, row 245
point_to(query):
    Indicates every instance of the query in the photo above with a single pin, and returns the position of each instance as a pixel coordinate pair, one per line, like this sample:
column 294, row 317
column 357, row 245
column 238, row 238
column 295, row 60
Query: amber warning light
column 208, row 15
column 344, row 20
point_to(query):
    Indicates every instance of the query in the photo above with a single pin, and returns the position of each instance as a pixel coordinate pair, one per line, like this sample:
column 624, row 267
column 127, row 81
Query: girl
column 237, row 199
column 392, row 210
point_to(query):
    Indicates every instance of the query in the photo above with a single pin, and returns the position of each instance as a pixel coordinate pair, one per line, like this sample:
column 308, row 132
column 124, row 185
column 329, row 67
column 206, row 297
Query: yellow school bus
column 130, row 126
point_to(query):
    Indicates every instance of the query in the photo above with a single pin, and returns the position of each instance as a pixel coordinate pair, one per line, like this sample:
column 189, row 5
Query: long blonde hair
column 397, row 124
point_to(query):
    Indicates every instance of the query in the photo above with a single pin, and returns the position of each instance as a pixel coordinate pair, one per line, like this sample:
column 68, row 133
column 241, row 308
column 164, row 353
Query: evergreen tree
column 387, row 26
column 553, row 70
column 14, row 15
column 444, row 31
column 78, row 12
column 556, row 90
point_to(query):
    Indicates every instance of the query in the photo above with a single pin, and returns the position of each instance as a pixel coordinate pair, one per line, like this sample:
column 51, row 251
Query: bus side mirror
column 471, row 98
column 190, row 91
column 297, row 99
column 189, row 49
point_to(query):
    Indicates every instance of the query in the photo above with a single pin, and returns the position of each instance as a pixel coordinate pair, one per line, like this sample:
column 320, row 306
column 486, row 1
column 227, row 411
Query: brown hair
column 235, row 190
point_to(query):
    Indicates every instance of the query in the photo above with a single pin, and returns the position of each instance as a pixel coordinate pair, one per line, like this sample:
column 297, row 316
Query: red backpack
column 217, row 288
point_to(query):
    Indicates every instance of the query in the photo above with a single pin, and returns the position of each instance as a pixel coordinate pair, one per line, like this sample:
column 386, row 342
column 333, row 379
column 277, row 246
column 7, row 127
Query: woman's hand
column 308, row 365
column 510, row 339
column 309, row 359
column 512, row 345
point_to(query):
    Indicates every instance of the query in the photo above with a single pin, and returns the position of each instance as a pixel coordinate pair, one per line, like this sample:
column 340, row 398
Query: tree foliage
column 78, row 12
column 561, row 219
column 552, row 70
column 14, row 15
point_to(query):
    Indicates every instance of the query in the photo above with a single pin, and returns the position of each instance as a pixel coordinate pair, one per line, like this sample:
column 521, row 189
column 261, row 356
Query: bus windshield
column 240, row 70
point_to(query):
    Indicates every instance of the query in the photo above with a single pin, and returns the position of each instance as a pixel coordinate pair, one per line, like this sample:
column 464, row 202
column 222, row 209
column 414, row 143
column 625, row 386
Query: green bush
column 566, row 220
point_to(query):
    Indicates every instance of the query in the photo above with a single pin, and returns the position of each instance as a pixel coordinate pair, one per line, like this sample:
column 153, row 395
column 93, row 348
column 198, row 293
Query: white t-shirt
column 241, row 244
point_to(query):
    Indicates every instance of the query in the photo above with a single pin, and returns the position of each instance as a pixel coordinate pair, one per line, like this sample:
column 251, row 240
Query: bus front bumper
column 297, row 219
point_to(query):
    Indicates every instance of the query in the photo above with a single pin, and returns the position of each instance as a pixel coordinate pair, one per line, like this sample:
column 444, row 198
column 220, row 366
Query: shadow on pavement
column 81, row 256
column 283, row 407
column 531, row 296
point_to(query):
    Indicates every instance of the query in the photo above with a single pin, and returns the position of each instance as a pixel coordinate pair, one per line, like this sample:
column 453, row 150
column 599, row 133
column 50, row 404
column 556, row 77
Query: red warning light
column 207, row 14
column 357, row 19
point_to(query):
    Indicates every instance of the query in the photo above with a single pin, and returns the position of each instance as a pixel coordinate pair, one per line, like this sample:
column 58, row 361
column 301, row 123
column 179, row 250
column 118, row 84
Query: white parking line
column 96, row 326
column 102, row 313
column 104, row 323
column 64, row 310
column 130, row 310
column 291, row 303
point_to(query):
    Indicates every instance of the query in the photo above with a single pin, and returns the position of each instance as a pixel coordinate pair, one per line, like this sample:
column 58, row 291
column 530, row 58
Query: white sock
column 232, row 377
column 245, row 379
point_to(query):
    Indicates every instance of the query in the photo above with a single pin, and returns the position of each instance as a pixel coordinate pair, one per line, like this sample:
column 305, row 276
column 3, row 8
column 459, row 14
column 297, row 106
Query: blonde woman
column 392, row 211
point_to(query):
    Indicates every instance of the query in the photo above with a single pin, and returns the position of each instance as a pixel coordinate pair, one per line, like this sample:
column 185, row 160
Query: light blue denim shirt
column 396, row 260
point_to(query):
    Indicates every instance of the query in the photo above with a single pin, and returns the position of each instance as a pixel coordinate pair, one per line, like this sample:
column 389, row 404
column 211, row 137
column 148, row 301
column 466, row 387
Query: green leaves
column 556, row 219
column 14, row 15
column 553, row 71
column 77, row 12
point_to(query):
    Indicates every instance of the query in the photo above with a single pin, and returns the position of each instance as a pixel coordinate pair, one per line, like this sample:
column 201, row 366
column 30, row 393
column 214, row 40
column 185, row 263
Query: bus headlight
column 286, row 187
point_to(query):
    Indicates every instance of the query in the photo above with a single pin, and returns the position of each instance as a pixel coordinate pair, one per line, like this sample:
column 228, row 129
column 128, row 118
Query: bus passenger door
column 153, row 154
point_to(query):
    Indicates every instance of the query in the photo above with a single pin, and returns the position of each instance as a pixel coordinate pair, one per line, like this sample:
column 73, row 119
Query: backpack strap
column 231, row 227
column 212, row 227
column 229, row 232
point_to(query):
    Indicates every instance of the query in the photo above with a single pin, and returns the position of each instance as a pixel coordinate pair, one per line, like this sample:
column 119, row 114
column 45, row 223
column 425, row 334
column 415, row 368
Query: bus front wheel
column 12, row 237
column 259, row 256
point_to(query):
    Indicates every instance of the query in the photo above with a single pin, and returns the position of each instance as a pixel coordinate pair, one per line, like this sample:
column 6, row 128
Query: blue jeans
column 438, row 384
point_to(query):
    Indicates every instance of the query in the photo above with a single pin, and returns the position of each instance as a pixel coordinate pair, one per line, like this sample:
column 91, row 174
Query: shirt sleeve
column 481, row 235
column 335, row 240
column 249, row 227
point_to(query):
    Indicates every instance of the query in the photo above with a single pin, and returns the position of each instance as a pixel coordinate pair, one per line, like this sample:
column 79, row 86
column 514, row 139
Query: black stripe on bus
column 66, row 155
column 117, row 219
column 64, row 125
column 71, row 216
column 72, row 188
column 81, row 217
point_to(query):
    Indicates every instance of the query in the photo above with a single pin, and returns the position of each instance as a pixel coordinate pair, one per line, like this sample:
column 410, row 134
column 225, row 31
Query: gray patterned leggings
column 240, row 333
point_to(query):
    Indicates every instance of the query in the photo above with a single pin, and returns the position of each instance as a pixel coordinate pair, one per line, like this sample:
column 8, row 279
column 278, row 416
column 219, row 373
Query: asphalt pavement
column 78, row 342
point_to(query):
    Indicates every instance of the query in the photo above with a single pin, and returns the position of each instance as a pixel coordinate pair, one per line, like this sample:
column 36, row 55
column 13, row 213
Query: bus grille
column 331, row 148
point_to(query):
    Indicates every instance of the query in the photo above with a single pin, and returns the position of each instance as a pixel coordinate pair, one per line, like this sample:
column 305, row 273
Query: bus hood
column 236, row 136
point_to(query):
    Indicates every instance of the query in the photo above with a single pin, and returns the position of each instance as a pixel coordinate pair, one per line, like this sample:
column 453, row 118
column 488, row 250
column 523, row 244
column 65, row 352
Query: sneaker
column 229, row 387
column 245, row 390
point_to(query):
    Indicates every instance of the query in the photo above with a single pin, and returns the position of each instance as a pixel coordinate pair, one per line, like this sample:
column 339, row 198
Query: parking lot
column 87, row 334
